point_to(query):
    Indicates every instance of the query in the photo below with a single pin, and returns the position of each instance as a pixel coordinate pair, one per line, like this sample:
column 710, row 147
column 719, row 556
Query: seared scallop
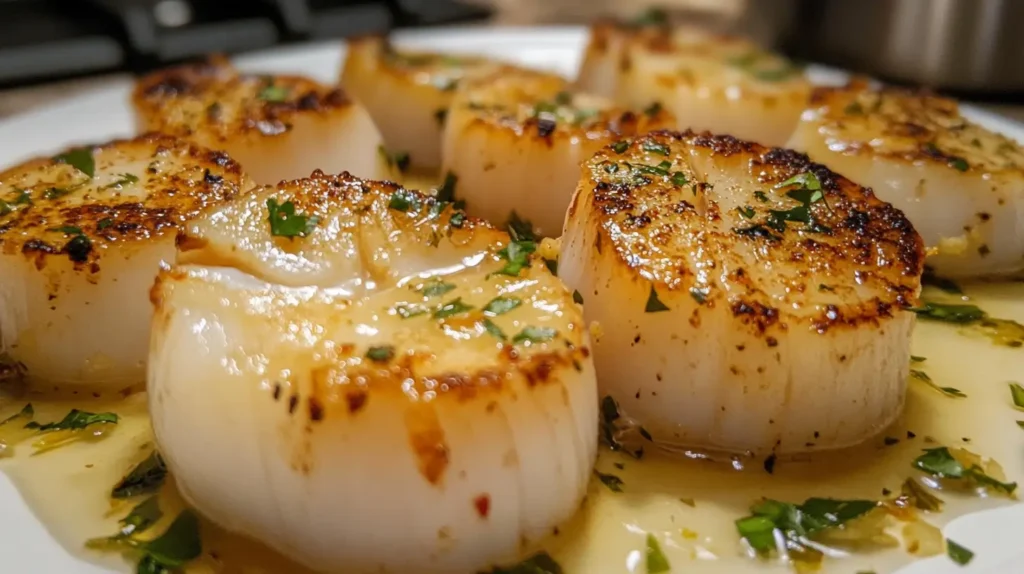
column 82, row 237
column 961, row 185
column 515, row 140
column 747, row 299
column 407, row 93
column 722, row 84
column 359, row 350
column 277, row 127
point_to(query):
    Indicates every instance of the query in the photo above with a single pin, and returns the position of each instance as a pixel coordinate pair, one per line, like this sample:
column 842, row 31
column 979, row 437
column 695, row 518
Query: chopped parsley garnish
column 656, row 560
column 55, row 192
column 959, row 164
column 403, row 200
column 104, row 223
column 795, row 522
column 147, row 477
column 917, row 359
column 138, row 520
column 808, row 193
column 660, row 169
column 80, row 159
column 948, row 391
column 609, row 429
column 177, row 546
column 653, row 109
column 520, row 229
column 761, row 196
column 457, row 220
column 501, row 305
column 381, row 353
column 78, row 248
column 125, row 179
column 679, row 178
column 746, row 211
column 949, row 286
column 272, row 93
column 408, row 311
column 654, row 147
column 74, row 420
column 435, row 288
column 494, row 330
column 751, row 64
column 446, row 192
column 68, row 230
column 284, row 222
column 532, row 334
column 451, row 308
column 1017, row 394
column 517, row 256
column 654, row 305
column 940, row 463
column 576, row 297
column 958, row 554
column 699, row 295
column 949, row 313
column 920, row 496
column 540, row 563
column 620, row 146
column 613, row 482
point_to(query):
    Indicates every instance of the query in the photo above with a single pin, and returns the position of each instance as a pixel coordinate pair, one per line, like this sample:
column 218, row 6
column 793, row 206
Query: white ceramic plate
column 27, row 547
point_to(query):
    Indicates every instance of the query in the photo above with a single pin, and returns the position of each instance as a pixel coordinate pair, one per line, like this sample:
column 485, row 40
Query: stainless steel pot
column 970, row 45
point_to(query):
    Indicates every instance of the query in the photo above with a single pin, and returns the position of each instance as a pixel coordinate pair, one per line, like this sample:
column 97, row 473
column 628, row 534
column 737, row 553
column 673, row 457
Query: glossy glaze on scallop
column 389, row 359
column 82, row 235
column 723, row 84
column 515, row 140
column 277, row 127
column 746, row 299
column 407, row 93
column 960, row 184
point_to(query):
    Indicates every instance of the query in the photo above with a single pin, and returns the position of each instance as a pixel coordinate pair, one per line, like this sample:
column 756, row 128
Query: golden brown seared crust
column 841, row 258
column 541, row 106
column 911, row 126
column 214, row 102
column 140, row 189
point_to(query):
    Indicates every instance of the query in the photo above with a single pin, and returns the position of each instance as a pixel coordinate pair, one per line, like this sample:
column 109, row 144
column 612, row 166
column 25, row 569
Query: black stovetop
column 44, row 40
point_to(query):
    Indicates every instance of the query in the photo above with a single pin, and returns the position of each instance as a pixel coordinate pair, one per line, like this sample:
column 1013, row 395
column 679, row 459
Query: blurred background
column 50, row 48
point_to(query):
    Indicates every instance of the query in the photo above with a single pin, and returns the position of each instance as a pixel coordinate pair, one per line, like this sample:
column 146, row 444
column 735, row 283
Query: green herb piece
column 26, row 411
column 403, row 200
column 916, row 359
column 620, row 146
column 805, row 180
column 654, row 305
column 74, row 420
column 78, row 248
column 552, row 265
column 610, row 167
column 398, row 160
column 274, row 94
column 457, row 220
column 534, row 335
column 381, row 353
column 949, row 313
column 920, row 496
column 958, row 554
column 660, row 170
column 613, row 482
column 125, row 179
column 609, row 428
column 284, row 222
column 494, row 330
column 517, row 256
column 699, row 295
column 446, row 193
column 576, row 297
column 940, row 463
column 948, row 391
column 520, row 229
column 147, row 477
column 656, row 560
column 68, row 230
column 958, row 163
column 823, row 287
column 13, row 431
column 451, row 308
column 761, row 196
column 653, row 110
column 408, row 311
column 177, row 546
column 104, row 223
column 540, row 563
column 654, row 147
column 679, row 178
column 854, row 109
column 746, row 211
column 1020, row 424
column 1017, row 394
column 139, row 519
column 794, row 522
column 55, row 192
column 501, row 305
column 949, row 286
column 80, row 159
column 435, row 288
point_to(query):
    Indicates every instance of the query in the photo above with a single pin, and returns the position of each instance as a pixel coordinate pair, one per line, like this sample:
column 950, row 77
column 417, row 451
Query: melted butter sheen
column 68, row 488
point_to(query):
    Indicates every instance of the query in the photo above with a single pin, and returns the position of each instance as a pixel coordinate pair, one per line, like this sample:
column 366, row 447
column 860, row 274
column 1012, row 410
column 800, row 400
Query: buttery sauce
column 688, row 504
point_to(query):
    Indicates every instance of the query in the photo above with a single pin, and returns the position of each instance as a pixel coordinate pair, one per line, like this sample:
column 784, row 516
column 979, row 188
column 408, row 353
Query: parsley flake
column 948, row 391
column 451, row 308
column 381, row 353
column 949, row 313
column 657, row 562
column 285, row 222
column 941, row 463
column 654, row 305
column 576, row 297
column 651, row 146
column 517, row 255
column 534, row 335
column 620, row 146
column 958, row 554
column 613, row 482
column 74, row 420
column 501, row 305
column 147, row 477
column 1017, row 394
column 435, row 288
column 80, row 159
column 273, row 94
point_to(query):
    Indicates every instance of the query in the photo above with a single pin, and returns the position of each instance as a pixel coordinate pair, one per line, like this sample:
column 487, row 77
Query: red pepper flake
column 483, row 505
